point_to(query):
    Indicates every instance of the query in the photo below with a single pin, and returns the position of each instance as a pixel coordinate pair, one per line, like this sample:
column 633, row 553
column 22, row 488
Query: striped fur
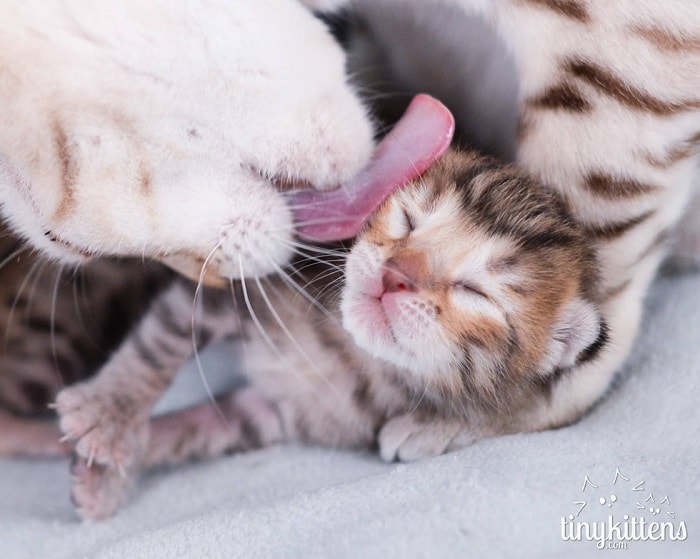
column 608, row 119
column 499, row 289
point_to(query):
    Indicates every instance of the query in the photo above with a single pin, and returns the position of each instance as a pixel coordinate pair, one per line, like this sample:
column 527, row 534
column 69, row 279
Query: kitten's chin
column 366, row 319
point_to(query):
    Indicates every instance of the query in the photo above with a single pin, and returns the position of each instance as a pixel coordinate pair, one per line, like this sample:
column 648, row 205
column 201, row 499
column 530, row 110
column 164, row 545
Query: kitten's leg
column 107, row 418
column 22, row 436
column 241, row 420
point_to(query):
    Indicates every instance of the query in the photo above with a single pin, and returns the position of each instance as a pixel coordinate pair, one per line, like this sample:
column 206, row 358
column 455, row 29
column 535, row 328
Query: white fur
column 564, row 147
column 263, row 85
column 201, row 97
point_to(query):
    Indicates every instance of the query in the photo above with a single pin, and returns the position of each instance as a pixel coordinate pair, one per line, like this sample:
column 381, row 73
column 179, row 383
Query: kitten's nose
column 400, row 275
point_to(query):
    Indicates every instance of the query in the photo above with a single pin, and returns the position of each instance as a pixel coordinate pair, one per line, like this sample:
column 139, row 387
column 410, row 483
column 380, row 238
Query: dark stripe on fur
column 664, row 40
column 167, row 319
column 616, row 188
column 540, row 221
column 613, row 86
column 593, row 350
column 69, row 168
column 680, row 152
column 573, row 9
column 146, row 352
column 146, row 181
column 562, row 96
column 612, row 231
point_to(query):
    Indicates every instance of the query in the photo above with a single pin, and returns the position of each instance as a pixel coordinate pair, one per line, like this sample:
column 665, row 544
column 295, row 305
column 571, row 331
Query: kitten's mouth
column 418, row 139
column 382, row 324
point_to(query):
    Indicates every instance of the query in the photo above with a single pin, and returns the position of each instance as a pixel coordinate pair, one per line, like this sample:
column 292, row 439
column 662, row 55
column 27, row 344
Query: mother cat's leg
column 610, row 118
column 608, row 95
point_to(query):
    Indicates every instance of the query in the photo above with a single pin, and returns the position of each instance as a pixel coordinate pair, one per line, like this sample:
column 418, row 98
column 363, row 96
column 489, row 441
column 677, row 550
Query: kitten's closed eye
column 400, row 222
column 460, row 295
column 409, row 220
column 470, row 288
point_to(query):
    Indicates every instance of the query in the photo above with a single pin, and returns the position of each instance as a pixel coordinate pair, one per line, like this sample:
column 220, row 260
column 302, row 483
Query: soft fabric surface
column 501, row 497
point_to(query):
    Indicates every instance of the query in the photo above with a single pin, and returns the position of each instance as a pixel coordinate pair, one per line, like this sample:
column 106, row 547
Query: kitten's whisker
column 301, row 252
column 335, row 284
column 309, row 263
column 290, row 282
column 33, row 287
column 313, row 248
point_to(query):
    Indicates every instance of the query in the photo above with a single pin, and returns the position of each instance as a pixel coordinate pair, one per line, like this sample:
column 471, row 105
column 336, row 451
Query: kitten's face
column 470, row 274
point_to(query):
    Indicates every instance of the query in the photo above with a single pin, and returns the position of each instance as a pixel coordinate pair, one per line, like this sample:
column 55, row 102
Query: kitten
column 58, row 326
column 467, row 300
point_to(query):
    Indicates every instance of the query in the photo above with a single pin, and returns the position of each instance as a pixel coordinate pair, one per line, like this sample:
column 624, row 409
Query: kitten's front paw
column 104, row 428
column 98, row 491
column 408, row 438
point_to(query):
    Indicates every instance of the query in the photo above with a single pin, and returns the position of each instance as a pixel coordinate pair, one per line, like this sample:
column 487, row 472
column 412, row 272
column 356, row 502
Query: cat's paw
column 408, row 438
column 98, row 491
column 105, row 429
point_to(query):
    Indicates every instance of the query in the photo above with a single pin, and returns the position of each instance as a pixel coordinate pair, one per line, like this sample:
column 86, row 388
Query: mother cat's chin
column 118, row 137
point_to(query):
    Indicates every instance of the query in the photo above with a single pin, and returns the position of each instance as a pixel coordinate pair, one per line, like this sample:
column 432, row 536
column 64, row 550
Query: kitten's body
column 469, row 297
column 608, row 117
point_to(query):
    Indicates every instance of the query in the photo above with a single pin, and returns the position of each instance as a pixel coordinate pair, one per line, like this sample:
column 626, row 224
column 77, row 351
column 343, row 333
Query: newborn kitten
column 58, row 327
column 466, row 299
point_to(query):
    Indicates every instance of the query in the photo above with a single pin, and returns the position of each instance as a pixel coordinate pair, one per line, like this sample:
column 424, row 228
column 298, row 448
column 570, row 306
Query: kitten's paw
column 103, row 428
column 407, row 438
column 98, row 491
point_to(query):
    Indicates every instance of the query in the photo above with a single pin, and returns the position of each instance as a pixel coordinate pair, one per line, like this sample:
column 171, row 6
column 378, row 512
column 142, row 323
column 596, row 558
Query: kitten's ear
column 577, row 334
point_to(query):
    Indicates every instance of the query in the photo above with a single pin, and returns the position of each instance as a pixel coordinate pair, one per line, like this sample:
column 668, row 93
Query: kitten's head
column 471, row 275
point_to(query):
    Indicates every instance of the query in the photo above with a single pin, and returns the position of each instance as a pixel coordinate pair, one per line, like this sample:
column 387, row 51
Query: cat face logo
column 610, row 501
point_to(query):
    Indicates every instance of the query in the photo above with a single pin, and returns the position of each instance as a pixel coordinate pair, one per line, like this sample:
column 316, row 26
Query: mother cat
column 609, row 116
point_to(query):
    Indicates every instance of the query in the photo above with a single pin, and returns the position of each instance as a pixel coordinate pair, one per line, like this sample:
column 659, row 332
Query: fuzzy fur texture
column 608, row 117
column 121, row 137
column 467, row 298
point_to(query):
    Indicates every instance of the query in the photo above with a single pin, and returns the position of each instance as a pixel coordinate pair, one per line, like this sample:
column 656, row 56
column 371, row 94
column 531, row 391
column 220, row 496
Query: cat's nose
column 394, row 281
column 398, row 276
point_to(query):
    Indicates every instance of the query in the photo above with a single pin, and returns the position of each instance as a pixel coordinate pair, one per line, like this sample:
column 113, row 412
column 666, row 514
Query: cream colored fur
column 151, row 128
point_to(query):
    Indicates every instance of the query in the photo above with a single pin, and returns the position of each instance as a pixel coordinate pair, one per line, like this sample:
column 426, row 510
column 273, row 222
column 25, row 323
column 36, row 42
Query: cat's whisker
column 76, row 303
column 320, row 277
column 287, row 279
column 33, row 288
column 312, row 248
column 302, row 252
column 254, row 316
column 54, row 297
column 309, row 263
column 195, row 348
column 335, row 285
column 14, row 255
column 294, row 341
column 36, row 268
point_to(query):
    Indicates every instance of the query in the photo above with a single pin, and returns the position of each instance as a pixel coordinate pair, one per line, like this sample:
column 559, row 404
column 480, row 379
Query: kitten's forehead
column 444, row 227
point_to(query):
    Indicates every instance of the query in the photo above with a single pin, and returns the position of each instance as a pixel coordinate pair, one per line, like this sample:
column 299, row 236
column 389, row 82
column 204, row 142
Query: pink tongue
column 418, row 139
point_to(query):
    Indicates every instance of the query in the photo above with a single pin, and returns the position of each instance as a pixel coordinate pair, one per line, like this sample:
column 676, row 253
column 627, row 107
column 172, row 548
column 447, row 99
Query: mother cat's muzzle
column 418, row 139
